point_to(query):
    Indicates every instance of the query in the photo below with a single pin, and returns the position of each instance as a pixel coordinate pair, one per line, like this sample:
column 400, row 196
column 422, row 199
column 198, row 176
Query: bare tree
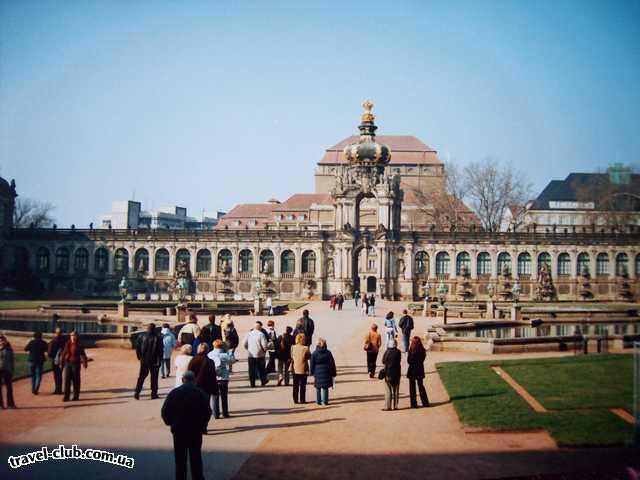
column 29, row 212
column 445, row 209
column 491, row 188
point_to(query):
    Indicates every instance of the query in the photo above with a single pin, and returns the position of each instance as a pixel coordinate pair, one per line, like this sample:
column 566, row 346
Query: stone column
column 453, row 261
column 276, row 262
column 192, row 261
column 92, row 261
column 256, row 261
column 235, row 261
column 111, row 252
column 72, row 257
column 408, row 263
column 474, row 263
column 632, row 265
column 172, row 261
column 573, row 255
column 534, row 265
column 298, row 265
column 554, row 265
column 592, row 262
column 130, row 265
column 152, row 262
column 432, row 264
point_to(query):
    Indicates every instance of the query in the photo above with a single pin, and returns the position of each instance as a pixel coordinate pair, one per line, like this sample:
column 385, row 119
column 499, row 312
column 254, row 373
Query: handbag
column 382, row 374
column 367, row 346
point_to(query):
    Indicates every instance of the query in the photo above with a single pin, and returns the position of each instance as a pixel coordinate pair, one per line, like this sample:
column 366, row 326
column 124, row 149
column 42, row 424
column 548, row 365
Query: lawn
column 577, row 391
column 22, row 366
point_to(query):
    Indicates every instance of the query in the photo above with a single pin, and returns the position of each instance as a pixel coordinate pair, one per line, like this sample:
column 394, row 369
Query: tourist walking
column 390, row 328
column 186, row 411
column 332, row 302
column 168, row 344
column 415, row 372
column 391, row 360
column 7, row 365
column 406, row 326
column 54, row 352
column 372, row 305
column 300, row 367
column 205, row 371
column 272, row 340
column 73, row 356
column 356, row 297
column 182, row 362
column 365, row 304
column 37, row 349
column 255, row 342
column 150, row 351
column 189, row 332
column 284, row 344
column 323, row 368
column 372, row 343
column 308, row 326
column 340, row 300
column 223, row 361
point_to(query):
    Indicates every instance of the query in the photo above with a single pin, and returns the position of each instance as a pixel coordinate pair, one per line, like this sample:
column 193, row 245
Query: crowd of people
column 203, row 365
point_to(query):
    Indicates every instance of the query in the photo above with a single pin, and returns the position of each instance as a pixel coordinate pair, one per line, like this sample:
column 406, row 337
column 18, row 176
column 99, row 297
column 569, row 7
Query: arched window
column 309, row 262
column 42, row 259
column 422, row 263
column 504, row 261
column 287, row 262
column 81, row 260
column 442, row 264
column 602, row 264
column 484, row 264
column 62, row 260
column 463, row 261
column 266, row 261
column 583, row 264
column 203, row 261
column 622, row 264
column 162, row 260
column 245, row 263
column 121, row 261
column 544, row 259
column 101, row 260
column 564, row 264
column 224, row 261
column 141, row 261
column 183, row 257
column 524, row 264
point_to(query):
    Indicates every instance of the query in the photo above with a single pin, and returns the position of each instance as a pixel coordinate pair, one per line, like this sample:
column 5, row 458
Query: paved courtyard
column 269, row 437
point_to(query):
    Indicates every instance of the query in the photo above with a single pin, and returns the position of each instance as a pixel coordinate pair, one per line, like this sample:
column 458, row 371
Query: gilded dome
column 367, row 151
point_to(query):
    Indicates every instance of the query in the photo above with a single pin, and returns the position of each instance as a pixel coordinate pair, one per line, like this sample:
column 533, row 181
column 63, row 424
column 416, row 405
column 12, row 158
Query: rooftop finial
column 367, row 116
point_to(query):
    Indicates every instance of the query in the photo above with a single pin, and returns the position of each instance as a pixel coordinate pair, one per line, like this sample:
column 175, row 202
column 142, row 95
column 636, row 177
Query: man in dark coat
column 149, row 349
column 37, row 349
column 72, row 357
column 308, row 327
column 56, row 345
column 186, row 410
column 212, row 332
column 204, row 370
column 406, row 325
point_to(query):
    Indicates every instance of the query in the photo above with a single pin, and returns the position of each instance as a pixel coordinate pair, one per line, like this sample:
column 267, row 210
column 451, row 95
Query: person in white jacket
column 168, row 344
column 223, row 361
column 256, row 345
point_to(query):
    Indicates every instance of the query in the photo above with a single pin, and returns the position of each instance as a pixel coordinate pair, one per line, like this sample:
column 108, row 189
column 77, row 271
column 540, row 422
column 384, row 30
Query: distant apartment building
column 584, row 200
column 129, row 214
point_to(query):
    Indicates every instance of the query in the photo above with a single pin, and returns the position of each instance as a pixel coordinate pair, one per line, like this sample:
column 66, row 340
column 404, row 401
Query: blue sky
column 210, row 104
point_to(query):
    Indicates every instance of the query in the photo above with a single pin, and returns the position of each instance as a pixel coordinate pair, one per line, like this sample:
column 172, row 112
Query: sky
column 214, row 103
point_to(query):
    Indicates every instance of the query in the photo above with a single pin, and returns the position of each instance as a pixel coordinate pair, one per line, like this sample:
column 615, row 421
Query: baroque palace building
column 364, row 229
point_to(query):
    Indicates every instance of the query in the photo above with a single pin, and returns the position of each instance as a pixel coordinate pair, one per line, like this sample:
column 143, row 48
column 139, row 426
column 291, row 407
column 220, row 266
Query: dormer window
column 290, row 218
column 236, row 223
column 302, row 217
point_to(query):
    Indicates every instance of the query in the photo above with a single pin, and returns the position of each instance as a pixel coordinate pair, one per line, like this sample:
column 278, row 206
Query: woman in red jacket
column 72, row 357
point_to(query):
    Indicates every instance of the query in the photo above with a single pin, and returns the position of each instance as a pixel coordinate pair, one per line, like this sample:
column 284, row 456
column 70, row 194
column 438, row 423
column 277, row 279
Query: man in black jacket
column 187, row 411
column 308, row 326
column 406, row 325
column 212, row 332
column 149, row 349
column 56, row 346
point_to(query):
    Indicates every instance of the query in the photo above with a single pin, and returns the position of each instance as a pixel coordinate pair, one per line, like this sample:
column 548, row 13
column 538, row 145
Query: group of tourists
column 368, row 305
column 67, row 357
column 336, row 301
column 392, row 359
